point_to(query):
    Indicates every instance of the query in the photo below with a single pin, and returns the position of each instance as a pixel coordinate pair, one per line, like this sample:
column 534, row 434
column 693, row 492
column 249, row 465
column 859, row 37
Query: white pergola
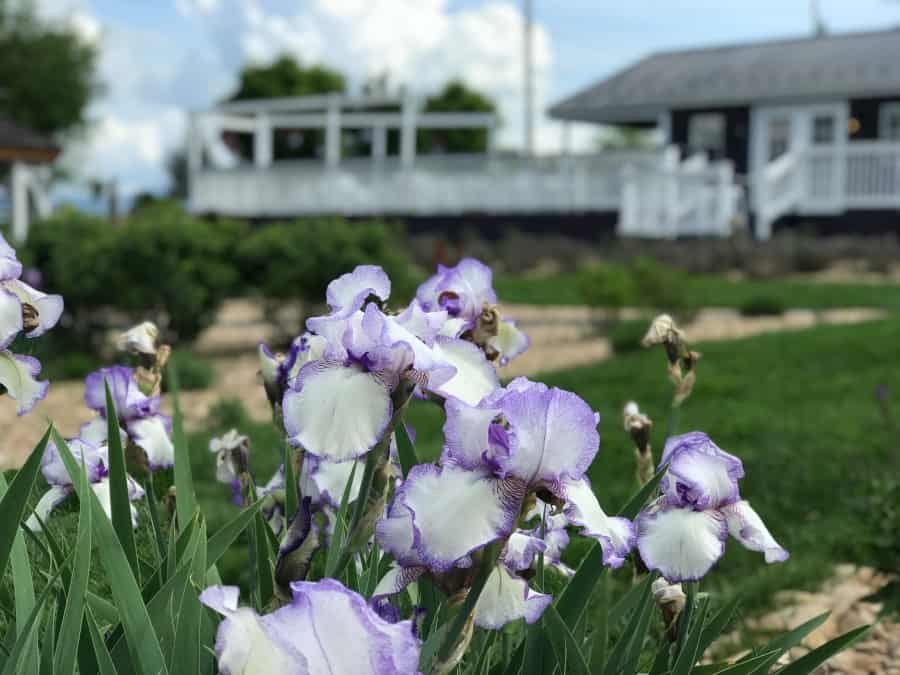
column 27, row 156
column 332, row 113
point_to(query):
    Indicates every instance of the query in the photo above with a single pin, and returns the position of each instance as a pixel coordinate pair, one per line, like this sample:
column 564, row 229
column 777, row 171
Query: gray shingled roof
column 811, row 68
column 14, row 136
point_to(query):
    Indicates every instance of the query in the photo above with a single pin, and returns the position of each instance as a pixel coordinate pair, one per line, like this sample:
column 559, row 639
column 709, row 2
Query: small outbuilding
column 25, row 159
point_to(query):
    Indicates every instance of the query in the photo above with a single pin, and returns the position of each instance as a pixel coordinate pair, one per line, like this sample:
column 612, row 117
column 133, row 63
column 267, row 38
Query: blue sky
column 161, row 57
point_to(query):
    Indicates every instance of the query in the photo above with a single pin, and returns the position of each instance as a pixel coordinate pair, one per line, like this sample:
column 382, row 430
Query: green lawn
column 710, row 291
column 798, row 408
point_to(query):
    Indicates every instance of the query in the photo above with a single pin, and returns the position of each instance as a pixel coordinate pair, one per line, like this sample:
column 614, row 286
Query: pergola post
column 379, row 142
column 19, row 193
column 262, row 141
column 408, row 133
column 333, row 132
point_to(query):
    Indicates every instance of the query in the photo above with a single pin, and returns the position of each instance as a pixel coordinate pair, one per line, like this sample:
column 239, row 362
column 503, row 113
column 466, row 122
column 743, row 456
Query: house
column 234, row 171
column 811, row 126
column 25, row 158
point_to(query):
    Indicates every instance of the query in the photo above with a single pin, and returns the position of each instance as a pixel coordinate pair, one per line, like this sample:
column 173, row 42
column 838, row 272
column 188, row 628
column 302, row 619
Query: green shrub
column 294, row 261
column 162, row 264
column 762, row 305
column 643, row 282
column 194, row 372
column 607, row 285
column 625, row 336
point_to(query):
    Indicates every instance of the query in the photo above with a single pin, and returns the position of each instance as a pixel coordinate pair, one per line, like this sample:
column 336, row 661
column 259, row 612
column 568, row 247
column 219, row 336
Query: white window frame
column 885, row 111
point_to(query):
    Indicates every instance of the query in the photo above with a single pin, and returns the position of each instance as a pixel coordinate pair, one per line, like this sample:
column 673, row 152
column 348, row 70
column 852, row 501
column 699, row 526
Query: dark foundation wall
column 861, row 223
column 865, row 111
column 737, row 132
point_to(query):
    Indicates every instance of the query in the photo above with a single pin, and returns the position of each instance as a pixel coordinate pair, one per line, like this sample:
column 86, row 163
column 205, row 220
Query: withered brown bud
column 670, row 599
column 30, row 317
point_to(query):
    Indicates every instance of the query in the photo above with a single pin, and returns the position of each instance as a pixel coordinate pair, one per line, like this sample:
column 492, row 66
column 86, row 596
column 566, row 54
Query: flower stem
column 684, row 621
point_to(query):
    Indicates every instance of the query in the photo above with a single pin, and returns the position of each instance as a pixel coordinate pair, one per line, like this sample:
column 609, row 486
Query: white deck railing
column 435, row 185
column 823, row 180
column 674, row 198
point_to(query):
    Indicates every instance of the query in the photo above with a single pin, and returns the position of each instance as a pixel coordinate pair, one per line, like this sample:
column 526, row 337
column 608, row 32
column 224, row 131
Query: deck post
column 262, row 141
column 19, row 192
column 333, row 132
column 408, row 133
column 379, row 142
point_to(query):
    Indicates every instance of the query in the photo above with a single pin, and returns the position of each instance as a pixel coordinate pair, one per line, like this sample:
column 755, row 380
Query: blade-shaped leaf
column 406, row 449
column 782, row 643
column 101, row 653
column 689, row 653
column 143, row 642
column 185, row 499
column 807, row 663
column 187, row 635
column 640, row 499
column 568, row 654
column 745, row 667
column 14, row 500
column 225, row 536
column 291, row 498
column 629, row 635
column 120, row 505
column 26, row 638
column 64, row 659
column 341, row 526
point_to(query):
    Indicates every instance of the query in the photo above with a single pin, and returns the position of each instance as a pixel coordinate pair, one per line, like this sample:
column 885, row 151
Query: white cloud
column 419, row 43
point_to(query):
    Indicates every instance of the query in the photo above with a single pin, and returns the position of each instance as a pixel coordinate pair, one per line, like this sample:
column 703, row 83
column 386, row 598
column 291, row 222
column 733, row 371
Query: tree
column 47, row 72
column 286, row 77
column 455, row 97
column 282, row 78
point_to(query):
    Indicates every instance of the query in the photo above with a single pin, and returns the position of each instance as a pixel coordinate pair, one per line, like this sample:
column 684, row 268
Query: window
column 706, row 133
column 889, row 121
column 823, row 129
column 779, row 137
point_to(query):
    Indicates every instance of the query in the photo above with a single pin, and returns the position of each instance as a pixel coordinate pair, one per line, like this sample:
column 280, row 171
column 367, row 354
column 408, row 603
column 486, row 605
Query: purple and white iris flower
column 22, row 308
column 138, row 414
column 272, row 495
column 524, row 439
column 96, row 462
column 683, row 533
column 231, row 451
column 464, row 292
column 339, row 406
column 325, row 629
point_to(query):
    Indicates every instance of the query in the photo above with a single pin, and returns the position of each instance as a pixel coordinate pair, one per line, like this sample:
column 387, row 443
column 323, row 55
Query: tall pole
column 528, row 64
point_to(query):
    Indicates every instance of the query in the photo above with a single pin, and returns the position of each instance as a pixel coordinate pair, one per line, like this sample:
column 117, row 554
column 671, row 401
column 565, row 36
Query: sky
column 161, row 58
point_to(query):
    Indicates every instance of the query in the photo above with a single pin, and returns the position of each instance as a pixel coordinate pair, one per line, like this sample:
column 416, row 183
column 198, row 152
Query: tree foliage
column 282, row 78
column 47, row 71
column 456, row 96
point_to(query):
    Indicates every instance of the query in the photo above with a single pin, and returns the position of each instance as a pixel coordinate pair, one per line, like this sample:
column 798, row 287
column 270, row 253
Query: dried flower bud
column 638, row 426
column 140, row 339
column 30, row 317
column 670, row 599
column 662, row 331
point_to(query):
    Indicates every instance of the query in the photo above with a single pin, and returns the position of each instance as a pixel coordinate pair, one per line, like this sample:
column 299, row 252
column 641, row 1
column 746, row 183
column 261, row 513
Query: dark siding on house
column 737, row 132
column 865, row 110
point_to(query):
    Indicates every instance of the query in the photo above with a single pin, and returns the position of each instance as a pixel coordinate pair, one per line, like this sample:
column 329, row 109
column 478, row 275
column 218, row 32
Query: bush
column 607, row 285
column 762, row 305
column 643, row 282
column 625, row 336
column 162, row 264
column 193, row 371
column 295, row 261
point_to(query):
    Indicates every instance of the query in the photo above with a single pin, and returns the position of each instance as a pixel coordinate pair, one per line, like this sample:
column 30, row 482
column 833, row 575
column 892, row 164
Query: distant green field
column 709, row 291
column 799, row 408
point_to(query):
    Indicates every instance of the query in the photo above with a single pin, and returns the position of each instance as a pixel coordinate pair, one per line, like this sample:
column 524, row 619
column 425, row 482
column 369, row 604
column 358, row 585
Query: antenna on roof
column 818, row 22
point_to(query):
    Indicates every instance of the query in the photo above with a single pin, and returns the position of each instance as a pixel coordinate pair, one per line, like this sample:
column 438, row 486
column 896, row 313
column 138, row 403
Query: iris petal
column 682, row 544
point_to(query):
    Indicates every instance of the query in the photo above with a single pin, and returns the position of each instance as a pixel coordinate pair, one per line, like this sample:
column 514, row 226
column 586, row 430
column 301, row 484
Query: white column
column 262, row 141
column 408, row 133
column 333, row 132
column 19, row 193
column 566, row 139
column 379, row 142
column 664, row 124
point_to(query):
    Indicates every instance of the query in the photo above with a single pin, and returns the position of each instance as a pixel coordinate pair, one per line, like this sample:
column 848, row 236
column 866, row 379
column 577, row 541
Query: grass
column 798, row 408
column 711, row 291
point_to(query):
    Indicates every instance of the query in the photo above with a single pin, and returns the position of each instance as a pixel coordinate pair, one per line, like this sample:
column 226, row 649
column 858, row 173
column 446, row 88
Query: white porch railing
column 821, row 180
column 435, row 185
column 674, row 198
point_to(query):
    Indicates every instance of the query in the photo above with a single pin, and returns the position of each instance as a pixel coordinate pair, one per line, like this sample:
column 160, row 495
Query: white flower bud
column 661, row 331
column 140, row 339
